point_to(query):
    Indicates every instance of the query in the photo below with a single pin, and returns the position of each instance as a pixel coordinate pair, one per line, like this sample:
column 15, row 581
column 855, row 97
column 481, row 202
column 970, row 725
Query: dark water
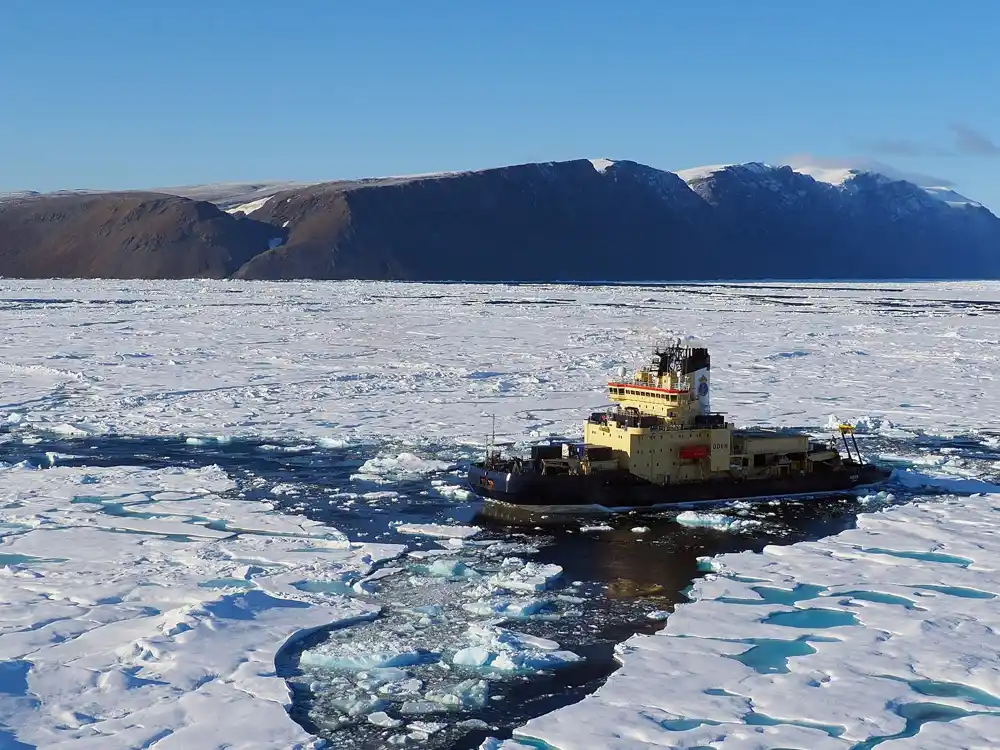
column 616, row 577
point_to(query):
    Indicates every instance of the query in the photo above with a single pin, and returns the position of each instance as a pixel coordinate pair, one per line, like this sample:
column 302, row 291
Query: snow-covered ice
column 822, row 644
column 718, row 521
column 312, row 362
column 128, row 621
column 438, row 530
column 139, row 602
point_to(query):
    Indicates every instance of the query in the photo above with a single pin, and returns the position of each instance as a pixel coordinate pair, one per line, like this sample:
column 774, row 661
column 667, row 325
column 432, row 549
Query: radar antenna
column 668, row 357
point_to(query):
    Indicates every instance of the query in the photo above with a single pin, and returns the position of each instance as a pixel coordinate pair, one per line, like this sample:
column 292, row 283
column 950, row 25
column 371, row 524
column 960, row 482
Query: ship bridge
column 674, row 387
column 664, row 401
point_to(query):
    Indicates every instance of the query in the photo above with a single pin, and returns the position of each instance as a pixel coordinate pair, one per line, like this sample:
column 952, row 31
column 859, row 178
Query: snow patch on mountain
column 232, row 196
column 601, row 165
column 249, row 208
column 834, row 176
column 837, row 176
column 840, row 177
column 700, row 173
column 950, row 197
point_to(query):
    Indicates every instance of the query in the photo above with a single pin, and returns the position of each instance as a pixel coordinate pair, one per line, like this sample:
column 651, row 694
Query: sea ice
column 716, row 521
column 516, row 574
column 508, row 651
column 132, row 634
column 427, row 727
column 382, row 719
column 833, row 640
column 491, row 743
column 311, row 366
column 448, row 568
column 320, row 357
column 437, row 530
column 442, row 617
column 361, row 660
column 402, row 464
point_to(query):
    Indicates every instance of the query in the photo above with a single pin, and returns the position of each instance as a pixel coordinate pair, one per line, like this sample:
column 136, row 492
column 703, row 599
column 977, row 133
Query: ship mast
column 491, row 439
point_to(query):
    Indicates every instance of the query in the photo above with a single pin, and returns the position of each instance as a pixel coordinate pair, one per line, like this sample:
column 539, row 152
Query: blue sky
column 116, row 94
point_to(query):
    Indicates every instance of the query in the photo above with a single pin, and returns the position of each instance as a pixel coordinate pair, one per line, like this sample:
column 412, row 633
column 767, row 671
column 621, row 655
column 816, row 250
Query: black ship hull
column 530, row 497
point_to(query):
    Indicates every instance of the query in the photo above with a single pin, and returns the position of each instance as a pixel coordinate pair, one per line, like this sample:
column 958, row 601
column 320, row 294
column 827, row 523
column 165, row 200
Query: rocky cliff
column 577, row 220
column 125, row 235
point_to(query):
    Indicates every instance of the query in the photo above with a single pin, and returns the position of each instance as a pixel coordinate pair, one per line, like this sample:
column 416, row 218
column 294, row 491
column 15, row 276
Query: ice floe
column 437, row 530
column 718, row 521
column 822, row 644
column 384, row 468
column 509, row 651
column 130, row 619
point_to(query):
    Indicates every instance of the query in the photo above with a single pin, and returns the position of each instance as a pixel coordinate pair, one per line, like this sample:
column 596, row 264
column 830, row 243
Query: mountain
column 576, row 220
column 532, row 222
column 865, row 224
column 125, row 235
column 840, row 174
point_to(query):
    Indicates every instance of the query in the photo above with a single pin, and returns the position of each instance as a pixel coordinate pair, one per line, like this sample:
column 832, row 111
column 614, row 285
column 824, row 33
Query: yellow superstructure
column 663, row 430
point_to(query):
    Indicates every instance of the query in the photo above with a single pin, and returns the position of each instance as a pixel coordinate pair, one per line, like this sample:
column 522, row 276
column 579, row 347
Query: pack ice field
column 246, row 501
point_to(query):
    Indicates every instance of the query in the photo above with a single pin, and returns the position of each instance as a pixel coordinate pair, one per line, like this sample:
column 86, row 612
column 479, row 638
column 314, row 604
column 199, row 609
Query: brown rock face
column 125, row 235
column 559, row 221
column 531, row 222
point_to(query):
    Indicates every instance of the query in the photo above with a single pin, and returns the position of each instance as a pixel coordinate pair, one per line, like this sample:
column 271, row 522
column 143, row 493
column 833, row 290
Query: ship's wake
column 483, row 627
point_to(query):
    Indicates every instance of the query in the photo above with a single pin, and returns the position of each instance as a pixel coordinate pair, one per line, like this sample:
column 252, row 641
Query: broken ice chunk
column 422, row 707
column 472, row 656
column 508, row 651
column 468, row 694
column 517, row 574
column 403, row 688
column 371, row 660
column 427, row 727
column 382, row 719
column 437, row 530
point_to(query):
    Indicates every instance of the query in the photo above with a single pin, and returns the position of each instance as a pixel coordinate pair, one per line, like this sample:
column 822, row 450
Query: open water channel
column 476, row 635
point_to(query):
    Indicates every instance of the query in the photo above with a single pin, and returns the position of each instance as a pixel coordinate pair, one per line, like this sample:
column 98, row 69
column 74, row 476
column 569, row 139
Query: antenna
column 491, row 440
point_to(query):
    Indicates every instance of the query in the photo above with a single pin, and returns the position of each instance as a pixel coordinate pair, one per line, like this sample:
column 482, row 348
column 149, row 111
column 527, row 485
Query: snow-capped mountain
column 876, row 224
column 587, row 219
column 843, row 178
